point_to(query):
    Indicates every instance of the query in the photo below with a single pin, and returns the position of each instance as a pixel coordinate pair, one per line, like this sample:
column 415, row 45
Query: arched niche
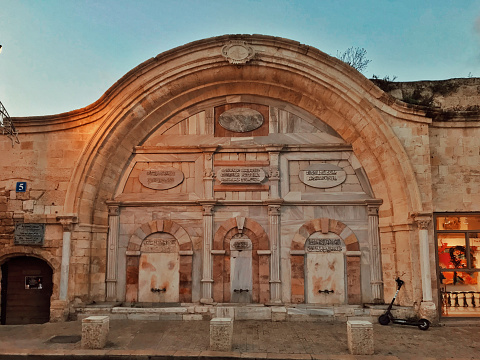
column 183, row 248
column 351, row 253
column 234, row 228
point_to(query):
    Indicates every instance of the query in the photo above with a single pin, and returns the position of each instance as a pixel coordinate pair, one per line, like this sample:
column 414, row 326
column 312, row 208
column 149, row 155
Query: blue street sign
column 21, row 186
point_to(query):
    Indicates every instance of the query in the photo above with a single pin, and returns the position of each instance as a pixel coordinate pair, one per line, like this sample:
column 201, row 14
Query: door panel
column 28, row 291
column 241, row 276
column 325, row 271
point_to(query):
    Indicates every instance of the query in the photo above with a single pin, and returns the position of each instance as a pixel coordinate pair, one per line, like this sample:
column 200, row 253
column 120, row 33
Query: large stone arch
column 283, row 70
column 260, row 258
column 185, row 251
column 297, row 252
column 161, row 87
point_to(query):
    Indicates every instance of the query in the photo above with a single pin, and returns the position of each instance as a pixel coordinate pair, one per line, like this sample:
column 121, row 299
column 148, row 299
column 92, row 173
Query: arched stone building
column 236, row 169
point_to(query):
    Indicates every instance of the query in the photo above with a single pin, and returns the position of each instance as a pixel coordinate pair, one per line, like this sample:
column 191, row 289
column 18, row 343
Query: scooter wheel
column 384, row 319
column 424, row 324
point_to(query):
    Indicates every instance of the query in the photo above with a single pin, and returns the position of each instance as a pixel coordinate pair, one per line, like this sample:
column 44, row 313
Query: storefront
column 458, row 241
column 245, row 175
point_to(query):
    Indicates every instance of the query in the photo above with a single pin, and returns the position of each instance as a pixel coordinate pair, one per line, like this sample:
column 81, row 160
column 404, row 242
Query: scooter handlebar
column 400, row 282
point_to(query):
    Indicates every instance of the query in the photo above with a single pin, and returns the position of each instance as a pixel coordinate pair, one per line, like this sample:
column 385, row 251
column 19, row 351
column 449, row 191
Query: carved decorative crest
column 238, row 52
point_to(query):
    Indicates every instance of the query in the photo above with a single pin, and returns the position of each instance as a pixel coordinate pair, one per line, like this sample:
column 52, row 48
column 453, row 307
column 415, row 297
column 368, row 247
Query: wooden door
column 26, row 291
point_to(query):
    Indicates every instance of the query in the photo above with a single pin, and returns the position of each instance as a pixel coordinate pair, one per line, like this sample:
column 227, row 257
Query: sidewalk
column 134, row 339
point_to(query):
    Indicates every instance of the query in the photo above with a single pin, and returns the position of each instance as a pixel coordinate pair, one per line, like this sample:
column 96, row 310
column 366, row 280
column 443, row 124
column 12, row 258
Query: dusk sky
column 62, row 55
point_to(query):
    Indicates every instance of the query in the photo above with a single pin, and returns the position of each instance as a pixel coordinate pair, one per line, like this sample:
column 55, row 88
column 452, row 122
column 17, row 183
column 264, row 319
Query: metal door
column 158, row 277
column 241, row 270
column 325, row 270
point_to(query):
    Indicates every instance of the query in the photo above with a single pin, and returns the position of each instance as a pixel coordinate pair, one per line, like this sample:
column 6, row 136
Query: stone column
column 207, row 277
column 274, row 229
column 375, row 251
column 67, row 222
column 112, row 249
column 427, row 307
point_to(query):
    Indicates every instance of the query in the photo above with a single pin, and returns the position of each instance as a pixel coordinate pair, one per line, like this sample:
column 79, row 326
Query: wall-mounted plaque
column 29, row 234
column 322, row 176
column 161, row 178
column 241, row 120
column 159, row 243
column 241, row 175
column 240, row 242
column 323, row 245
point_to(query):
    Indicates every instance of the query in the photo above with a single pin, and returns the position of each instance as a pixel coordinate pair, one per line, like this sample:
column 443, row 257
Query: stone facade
column 280, row 178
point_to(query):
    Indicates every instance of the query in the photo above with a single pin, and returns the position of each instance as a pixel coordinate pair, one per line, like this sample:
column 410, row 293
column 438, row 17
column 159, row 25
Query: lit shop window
column 458, row 241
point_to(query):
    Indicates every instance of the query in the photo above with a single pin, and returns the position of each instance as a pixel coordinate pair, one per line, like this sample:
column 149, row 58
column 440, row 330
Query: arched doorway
column 26, row 290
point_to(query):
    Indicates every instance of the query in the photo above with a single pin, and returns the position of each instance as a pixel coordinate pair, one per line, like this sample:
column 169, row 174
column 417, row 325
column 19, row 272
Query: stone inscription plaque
column 240, row 243
column 241, row 120
column 29, row 234
column 323, row 245
column 162, row 178
column 159, row 243
column 240, row 175
column 322, row 176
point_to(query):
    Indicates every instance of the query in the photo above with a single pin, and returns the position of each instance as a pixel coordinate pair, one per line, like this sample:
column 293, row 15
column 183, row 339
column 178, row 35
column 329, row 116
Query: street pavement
column 189, row 340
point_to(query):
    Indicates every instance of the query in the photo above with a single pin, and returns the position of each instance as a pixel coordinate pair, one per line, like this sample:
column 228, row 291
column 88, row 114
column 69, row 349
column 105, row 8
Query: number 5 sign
column 21, row 186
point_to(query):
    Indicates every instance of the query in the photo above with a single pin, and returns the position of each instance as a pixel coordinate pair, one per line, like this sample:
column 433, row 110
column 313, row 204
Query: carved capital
column 207, row 210
column 67, row 222
column 372, row 210
column 423, row 220
column 113, row 210
column 273, row 173
column 274, row 210
column 208, row 174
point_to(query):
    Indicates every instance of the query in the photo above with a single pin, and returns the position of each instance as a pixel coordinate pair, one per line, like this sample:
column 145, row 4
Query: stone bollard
column 221, row 334
column 360, row 337
column 95, row 332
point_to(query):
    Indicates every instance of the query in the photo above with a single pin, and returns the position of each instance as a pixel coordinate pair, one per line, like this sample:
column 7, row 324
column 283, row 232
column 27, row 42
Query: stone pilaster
column 112, row 250
column 274, row 229
column 209, row 174
column 375, row 251
column 207, row 277
column 273, row 171
column 427, row 307
column 67, row 222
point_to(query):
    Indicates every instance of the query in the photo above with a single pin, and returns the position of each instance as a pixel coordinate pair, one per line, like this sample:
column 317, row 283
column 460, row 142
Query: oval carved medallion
column 241, row 120
column 165, row 177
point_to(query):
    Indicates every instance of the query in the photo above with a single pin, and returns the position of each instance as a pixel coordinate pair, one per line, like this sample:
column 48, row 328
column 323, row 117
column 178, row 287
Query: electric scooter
column 384, row 319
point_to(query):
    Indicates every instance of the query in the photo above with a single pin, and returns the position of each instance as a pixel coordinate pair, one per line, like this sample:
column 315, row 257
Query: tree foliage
column 355, row 57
